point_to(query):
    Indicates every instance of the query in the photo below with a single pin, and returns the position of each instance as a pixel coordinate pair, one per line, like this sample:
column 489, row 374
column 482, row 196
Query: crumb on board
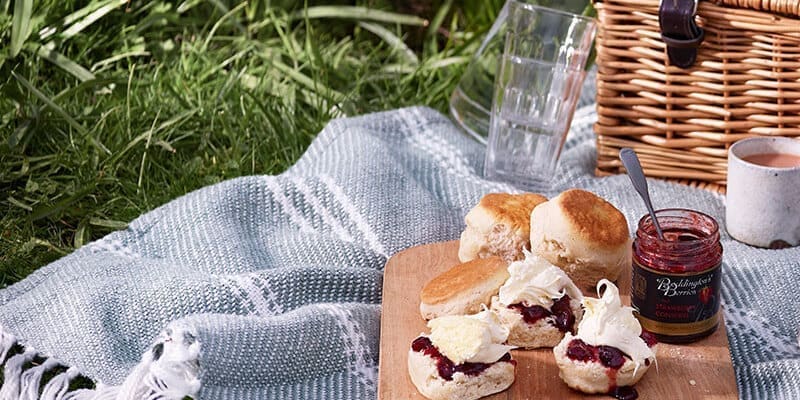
column 692, row 382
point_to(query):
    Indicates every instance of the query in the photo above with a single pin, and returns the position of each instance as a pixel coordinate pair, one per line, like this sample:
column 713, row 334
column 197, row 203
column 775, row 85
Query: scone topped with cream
column 538, row 303
column 498, row 226
column 610, row 351
column 462, row 358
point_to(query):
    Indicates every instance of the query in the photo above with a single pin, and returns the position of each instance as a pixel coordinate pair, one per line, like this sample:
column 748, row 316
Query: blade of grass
column 87, row 86
column 128, row 99
column 360, row 13
column 70, row 18
column 309, row 83
column 147, row 146
column 288, row 41
column 344, row 47
column 219, row 22
column 187, row 5
column 45, row 211
column 19, row 203
column 20, row 25
column 399, row 69
column 36, row 242
column 110, row 60
column 19, row 133
column 225, row 63
column 165, row 145
column 41, row 96
column 229, row 82
column 311, row 48
column 65, row 63
column 445, row 62
column 108, row 223
column 81, row 234
column 425, row 66
column 394, row 42
column 105, row 8
column 166, row 124
column 60, row 111
column 436, row 23
column 222, row 7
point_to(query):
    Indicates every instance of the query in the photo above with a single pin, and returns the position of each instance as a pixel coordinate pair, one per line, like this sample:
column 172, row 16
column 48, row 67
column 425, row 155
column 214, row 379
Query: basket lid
column 785, row 7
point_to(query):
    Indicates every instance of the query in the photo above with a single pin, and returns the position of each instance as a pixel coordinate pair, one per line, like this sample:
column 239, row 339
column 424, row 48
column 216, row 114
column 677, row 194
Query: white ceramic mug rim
column 740, row 143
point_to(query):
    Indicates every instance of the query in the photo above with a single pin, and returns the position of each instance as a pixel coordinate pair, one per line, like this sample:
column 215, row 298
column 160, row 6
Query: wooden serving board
column 699, row 370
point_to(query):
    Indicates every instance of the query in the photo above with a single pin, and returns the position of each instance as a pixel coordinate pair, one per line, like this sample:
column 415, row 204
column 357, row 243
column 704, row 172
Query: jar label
column 676, row 304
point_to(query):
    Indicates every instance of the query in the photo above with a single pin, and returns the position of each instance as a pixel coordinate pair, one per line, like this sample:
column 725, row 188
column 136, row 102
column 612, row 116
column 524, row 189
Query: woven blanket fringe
column 32, row 379
column 105, row 393
column 13, row 373
column 7, row 341
column 167, row 371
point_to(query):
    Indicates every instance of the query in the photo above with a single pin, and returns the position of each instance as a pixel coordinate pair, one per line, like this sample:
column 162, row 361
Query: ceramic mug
column 763, row 200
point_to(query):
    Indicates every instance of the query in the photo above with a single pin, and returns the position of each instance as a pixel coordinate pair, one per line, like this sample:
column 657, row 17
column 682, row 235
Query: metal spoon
column 634, row 168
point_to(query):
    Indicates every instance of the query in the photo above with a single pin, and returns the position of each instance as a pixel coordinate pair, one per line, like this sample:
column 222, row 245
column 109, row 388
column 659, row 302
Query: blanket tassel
column 168, row 371
column 7, row 341
column 12, row 375
column 32, row 379
column 58, row 386
column 101, row 392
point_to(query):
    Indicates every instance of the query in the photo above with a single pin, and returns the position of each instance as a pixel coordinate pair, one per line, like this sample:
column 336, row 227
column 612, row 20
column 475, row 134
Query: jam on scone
column 463, row 357
column 538, row 303
column 610, row 351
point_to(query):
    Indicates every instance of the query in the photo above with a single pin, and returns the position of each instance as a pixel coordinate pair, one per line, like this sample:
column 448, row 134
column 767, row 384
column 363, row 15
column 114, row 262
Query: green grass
column 111, row 108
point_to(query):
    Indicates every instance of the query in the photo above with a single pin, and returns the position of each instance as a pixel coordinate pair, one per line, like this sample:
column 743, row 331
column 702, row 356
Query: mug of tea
column 763, row 196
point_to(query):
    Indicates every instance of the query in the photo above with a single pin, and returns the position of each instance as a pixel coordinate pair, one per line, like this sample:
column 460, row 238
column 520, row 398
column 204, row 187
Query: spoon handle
column 631, row 163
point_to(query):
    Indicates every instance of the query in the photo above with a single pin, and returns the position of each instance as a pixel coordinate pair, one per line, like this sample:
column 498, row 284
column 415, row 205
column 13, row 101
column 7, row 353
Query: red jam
column 445, row 366
column 676, row 281
column 624, row 393
column 561, row 311
column 612, row 358
column 609, row 356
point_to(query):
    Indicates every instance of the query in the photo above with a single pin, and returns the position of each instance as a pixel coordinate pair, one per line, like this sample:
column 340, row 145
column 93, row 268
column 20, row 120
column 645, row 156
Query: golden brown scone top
column 461, row 278
column 596, row 219
column 512, row 209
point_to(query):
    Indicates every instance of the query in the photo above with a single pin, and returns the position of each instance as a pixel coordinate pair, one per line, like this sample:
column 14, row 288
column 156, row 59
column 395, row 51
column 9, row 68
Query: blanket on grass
column 269, row 287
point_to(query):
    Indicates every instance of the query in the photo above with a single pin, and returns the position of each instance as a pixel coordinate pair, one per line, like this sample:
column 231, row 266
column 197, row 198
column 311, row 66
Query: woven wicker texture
column 746, row 82
column 786, row 7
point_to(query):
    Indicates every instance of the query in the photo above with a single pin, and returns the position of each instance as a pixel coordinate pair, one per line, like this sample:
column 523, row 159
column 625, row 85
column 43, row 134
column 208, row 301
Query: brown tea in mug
column 774, row 160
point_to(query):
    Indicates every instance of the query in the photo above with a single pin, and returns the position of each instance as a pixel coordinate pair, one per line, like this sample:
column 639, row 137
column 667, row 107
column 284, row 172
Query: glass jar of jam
column 675, row 285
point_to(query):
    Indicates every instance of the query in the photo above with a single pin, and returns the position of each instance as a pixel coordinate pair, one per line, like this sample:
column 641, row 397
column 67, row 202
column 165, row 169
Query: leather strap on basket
column 679, row 31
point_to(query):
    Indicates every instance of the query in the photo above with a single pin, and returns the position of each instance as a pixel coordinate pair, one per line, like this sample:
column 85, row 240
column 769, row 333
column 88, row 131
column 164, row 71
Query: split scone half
column 463, row 358
column 582, row 234
column 499, row 226
column 463, row 289
column 538, row 303
column 610, row 351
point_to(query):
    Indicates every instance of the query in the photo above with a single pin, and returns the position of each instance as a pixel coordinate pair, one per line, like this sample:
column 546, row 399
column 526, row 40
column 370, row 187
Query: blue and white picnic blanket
column 269, row 287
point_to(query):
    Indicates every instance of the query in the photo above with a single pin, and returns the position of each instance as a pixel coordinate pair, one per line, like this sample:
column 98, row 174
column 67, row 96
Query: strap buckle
column 679, row 31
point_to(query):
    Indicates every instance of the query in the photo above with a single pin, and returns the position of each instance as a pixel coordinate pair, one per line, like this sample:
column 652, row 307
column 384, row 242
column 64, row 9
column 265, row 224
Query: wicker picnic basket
column 745, row 81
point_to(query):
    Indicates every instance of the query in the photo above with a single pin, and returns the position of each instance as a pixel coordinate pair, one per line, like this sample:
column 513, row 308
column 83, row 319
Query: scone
column 463, row 358
column 582, row 234
column 498, row 226
column 463, row 288
column 610, row 351
column 538, row 303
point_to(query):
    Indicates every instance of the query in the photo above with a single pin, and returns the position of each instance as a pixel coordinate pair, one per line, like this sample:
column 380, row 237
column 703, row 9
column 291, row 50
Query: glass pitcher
column 471, row 101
